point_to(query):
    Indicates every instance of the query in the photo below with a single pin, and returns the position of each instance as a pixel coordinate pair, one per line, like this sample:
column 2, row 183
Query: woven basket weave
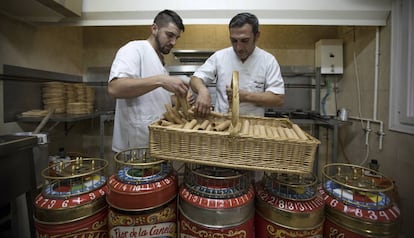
column 233, row 149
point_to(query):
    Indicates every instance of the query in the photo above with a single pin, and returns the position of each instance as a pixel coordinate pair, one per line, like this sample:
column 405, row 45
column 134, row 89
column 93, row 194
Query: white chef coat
column 137, row 59
column 259, row 73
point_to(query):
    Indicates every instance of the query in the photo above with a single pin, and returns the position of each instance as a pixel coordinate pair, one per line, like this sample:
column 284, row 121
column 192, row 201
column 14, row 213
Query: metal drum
column 72, row 202
column 142, row 196
column 358, row 203
column 288, row 205
column 216, row 202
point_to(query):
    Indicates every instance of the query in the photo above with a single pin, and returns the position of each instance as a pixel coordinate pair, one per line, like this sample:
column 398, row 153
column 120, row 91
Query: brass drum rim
column 216, row 226
column 63, row 216
column 143, row 165
column 45, row 171
column 379, row 229
column 141, row 209
column 324, row 173
column 291, row 220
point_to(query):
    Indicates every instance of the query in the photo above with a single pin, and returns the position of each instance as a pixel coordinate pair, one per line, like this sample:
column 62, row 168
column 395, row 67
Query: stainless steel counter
column 17, row 177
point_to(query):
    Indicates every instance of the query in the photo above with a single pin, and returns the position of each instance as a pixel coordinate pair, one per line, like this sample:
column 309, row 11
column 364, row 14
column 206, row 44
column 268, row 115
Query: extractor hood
column 279, row 12
column 142, row 12
column 41, row 11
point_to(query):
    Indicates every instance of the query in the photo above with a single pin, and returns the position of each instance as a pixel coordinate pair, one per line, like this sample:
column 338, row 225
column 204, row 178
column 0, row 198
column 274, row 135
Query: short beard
column 161, row 49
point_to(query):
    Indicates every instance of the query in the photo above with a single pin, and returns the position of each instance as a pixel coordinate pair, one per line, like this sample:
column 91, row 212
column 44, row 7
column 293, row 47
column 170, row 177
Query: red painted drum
column 72, row 202
column 288, row 205
column 358, row 203
column 142, row 196
column 216, row 202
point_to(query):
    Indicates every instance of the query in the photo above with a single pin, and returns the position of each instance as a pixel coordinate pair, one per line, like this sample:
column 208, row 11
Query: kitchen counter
column 12, row 143
column 61, row 117
column 17, row 177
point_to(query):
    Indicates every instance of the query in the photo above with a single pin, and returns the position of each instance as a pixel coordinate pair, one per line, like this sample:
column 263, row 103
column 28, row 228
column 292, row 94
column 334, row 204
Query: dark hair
column 167, row 16
column 245, row 18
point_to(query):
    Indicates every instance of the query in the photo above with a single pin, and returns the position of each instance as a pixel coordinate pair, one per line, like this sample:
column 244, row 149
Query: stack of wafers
column 70, row 98
column 80, row 99
column 53, row 96
column 77, row 108
column 90, row 97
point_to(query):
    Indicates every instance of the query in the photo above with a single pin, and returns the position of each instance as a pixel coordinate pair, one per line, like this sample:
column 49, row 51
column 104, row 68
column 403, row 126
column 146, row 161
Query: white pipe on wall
column 376, row 73
column 380, row 131
column 374, row 119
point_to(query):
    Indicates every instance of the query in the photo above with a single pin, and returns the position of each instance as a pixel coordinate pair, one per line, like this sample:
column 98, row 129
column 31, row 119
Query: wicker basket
column 234, row 149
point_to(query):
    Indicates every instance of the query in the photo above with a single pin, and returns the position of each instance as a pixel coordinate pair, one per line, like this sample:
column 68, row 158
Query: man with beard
column 260, row 80
column 141, row 84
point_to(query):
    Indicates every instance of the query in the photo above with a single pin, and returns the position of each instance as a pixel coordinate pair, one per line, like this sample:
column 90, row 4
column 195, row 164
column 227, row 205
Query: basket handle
column 235, row 108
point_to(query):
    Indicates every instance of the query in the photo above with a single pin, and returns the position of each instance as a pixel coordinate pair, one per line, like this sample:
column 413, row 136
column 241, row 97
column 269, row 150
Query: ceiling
column 140, row 12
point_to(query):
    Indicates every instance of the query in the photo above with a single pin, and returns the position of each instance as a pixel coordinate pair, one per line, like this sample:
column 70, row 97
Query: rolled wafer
column 275, row 133
column 299, row 132
column 288, row 133
column 164, row 123
column 202, row 126
column 293, row 133
column 176, row 126
column 190, row 125
column 269, row 132
column 251, row 130
column 262, row 130
column 212, row 113
column 245, row 127
column 209, row 127
column 184, row 105
column 172, row 115
column 168, row 117
column 222, row 126
column 281, row 132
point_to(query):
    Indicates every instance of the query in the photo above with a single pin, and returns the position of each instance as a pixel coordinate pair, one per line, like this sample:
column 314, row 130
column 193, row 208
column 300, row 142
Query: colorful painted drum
column 72, row 202
column 142, row 196
column 288, row 205
column 216, row 202
column 358, row 203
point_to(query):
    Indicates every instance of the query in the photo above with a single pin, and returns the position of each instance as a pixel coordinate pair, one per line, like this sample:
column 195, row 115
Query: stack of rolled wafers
column 53, row 96
column 220, row 122
column 70, row 98
column 80, row 99
column 182, row 116
column 265, row 131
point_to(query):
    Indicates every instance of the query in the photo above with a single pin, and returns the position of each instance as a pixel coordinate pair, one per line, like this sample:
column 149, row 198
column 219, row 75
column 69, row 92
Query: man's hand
column 175, row 85
column 202, row 105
